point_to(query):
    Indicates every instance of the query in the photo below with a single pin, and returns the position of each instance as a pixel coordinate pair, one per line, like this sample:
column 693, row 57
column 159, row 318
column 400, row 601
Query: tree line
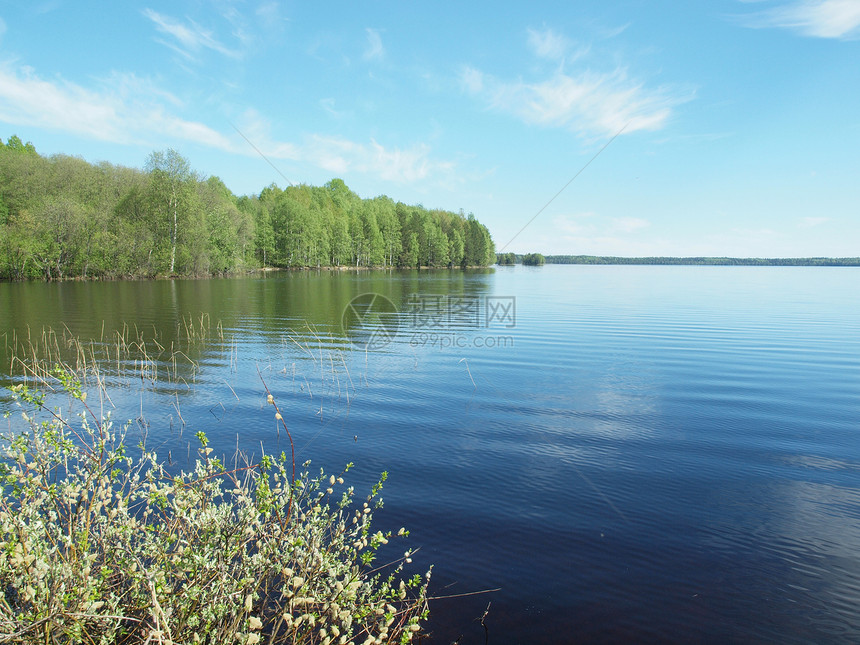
column 703, row 261
column 62, row 217
column 528, row 259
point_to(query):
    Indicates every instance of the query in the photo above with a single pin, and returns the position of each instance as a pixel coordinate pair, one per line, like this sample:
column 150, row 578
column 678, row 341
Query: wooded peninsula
column 62, row 217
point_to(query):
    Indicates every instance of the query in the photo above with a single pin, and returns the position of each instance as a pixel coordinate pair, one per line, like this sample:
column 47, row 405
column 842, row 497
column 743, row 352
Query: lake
column 627, row 453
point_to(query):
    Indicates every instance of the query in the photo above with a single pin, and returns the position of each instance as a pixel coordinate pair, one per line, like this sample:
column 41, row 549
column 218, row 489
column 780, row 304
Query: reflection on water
column 654, row 454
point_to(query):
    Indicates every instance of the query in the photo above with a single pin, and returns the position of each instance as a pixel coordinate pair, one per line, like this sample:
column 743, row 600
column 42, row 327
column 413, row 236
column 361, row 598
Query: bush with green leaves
column 103, row 543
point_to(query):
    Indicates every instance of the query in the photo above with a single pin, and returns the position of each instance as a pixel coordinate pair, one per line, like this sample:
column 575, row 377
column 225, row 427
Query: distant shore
column 704, row 261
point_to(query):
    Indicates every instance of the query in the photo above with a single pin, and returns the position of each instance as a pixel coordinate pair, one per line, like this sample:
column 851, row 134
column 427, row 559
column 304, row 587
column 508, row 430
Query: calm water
column 632, row 454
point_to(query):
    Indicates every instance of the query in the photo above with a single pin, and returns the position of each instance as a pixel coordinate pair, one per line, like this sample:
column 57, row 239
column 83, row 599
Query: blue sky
column 741, row 119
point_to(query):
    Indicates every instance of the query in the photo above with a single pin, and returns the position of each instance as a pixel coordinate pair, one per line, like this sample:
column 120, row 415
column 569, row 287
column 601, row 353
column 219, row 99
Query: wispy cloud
column 127, row 109
column 548, row 44
column 414, row 163
column 269, row 11
column 375, row 49
column 328, row 104
column 188, row 38
column 581, row 224
column 812, row 222
column 395, row 164
column 587, row 102
column 472, row 80
column 816, row 18
column 592, row 225
column 629, row 224
column 551, row 45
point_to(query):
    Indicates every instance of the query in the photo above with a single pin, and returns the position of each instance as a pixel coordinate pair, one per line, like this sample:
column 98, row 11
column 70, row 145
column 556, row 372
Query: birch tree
column 170, row 183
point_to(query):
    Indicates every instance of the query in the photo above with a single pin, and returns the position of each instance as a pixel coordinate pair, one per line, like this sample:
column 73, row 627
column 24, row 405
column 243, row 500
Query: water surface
column 631, row 454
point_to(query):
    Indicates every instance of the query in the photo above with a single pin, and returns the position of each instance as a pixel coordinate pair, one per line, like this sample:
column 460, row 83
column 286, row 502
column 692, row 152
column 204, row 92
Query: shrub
column 100, row 546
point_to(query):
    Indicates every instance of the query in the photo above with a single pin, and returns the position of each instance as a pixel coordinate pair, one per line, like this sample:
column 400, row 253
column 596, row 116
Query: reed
column 121, row 357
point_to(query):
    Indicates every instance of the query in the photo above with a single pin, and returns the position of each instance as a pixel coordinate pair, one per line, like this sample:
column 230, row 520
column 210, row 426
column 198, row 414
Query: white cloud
column 128, row 110
column 341, row 156
column 399, row 165
column 588, row 103
column 269, row 12
column 551, row 45
column 629, row 224
column 614, row 31
column 472, row 80
column 548, row 44
column 190, row 38
column 580, row 224
column 812, row 222
column 328, row 104
column 817, row 18
column 589, row 225
column 375, row 50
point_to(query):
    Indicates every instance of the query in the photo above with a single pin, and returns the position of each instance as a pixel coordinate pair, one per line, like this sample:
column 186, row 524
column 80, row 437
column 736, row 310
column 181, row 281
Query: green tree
column 533, row 259
column 264, row 234
column 14, row 144
column 17, row 244
column 435, row 250
column 170, row 186
column 135, row 230
column 57, row 235
column 389, row 229
column 374, row 246
column 413, row 250
column 479, row 247
column 456, row 247
column 225, row 225
column 62, row 216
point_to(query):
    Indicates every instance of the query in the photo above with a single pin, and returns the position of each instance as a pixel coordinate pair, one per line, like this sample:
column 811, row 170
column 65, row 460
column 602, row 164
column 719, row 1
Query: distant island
column 512, row 258
column 529, row 259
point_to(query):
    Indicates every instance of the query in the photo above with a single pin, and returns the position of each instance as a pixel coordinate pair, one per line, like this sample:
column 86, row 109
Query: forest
column 533, row 260
column 703, row 261
column 527, row 259
column 62, row 217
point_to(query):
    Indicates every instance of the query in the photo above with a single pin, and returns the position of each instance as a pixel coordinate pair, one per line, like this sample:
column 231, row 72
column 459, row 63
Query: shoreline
column 701, row 261
column 234, row 274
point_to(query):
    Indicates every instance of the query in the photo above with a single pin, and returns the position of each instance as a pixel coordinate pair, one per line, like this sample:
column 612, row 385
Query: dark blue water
column 629, row 454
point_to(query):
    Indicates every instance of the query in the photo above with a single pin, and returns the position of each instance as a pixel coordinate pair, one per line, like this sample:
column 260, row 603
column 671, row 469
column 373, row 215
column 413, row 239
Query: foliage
column 506, row 259
column 533, row 259
column 102, row 543
column 61, row 217
column 14, row 144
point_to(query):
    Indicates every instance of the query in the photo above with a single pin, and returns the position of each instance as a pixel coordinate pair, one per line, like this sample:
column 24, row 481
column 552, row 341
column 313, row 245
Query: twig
column 469, row 371
column 484, row 624
column 290, row 437
column 463, row 595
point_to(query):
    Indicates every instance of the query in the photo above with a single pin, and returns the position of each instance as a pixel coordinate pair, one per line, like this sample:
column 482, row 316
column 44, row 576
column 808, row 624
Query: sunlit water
column 629, row 454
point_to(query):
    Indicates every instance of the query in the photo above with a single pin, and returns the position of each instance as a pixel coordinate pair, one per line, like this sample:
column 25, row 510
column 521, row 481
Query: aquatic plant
column 102, row 542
